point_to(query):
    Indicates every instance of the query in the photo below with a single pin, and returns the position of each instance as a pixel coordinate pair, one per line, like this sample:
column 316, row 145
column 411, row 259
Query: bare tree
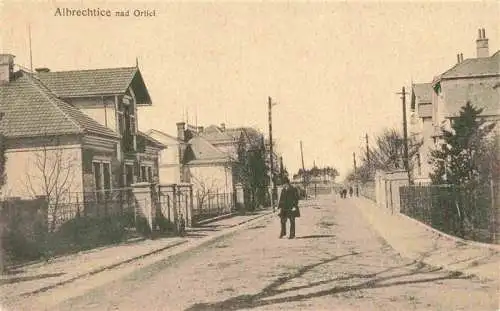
column 387, row 154
column 52, row 175
column 206, row 187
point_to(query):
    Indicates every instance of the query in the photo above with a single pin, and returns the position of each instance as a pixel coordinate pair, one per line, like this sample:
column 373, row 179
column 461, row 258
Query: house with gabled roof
column 86, row 118
column 204, row 156
column 435, row 105
column 208, row 168
column 112, row 97
column 473, row 79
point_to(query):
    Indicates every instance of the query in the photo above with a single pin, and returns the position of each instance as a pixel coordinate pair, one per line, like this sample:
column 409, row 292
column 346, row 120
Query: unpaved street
column 337, row 263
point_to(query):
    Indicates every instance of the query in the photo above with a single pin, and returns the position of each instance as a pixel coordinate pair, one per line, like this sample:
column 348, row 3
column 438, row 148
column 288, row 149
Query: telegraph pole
column 303, row 167
column 31, row 52
column 271, row 155
column 405, row 135
column 354, row 161
column 367, row 149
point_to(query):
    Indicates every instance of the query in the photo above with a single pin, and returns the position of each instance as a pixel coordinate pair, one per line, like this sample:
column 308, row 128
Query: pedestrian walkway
column 415, row 240
column 41, row 276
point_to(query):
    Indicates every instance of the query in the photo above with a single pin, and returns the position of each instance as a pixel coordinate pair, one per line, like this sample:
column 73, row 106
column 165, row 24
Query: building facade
column 76, row 128
column 475, row 80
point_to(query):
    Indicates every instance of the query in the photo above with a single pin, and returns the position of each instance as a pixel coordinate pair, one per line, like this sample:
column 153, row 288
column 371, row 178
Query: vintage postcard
column 249, row 155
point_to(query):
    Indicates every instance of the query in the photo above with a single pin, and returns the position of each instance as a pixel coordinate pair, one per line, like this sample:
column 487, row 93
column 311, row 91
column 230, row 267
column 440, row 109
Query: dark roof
column 423, row 92
column 215, row 134
column 248, row 132
column 163, row 135
column 150, row 140
column 202, row 151
column 475, row 67
column 96, row 82
column 30, row 109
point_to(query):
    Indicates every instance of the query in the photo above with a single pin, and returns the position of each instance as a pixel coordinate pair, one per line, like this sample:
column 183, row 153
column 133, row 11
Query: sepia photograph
column 250, row 155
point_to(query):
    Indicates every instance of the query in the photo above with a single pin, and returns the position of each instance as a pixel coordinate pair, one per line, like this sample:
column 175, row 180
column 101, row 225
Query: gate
column 175, row 203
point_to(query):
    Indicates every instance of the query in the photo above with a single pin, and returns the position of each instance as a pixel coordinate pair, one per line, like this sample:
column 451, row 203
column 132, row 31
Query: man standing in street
column 288, row 206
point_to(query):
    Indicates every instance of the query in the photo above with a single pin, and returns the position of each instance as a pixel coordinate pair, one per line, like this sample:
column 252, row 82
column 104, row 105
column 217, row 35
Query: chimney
column 458, row 58
column 482, row 44
column 461, row 57
column 39, row 70
column 180, row 131
column 6, row 68
column 223, row 126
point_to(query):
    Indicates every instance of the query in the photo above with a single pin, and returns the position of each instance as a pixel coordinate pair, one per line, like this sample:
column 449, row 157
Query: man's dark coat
column 289, row 199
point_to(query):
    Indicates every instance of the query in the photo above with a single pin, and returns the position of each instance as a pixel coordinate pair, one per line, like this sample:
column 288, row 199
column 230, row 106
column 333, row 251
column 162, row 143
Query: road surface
column 337, row 262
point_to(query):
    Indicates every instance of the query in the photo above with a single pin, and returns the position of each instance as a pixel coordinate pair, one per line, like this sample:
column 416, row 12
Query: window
column 106, row 171
column 150, row 174
column 132, row 124
column 97, row 176
column 146, row 173
column 121, row 128
column 102, row 178
column 129, row 174
column 144, row 176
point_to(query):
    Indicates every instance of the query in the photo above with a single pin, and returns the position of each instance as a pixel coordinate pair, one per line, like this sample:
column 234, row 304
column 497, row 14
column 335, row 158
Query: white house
column 170, row 161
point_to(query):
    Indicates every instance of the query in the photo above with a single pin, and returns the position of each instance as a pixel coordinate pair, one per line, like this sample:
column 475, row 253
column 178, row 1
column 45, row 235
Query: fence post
column 186, row 208
column 190, row 218
column 217, row 201
column 209, row 202
column 174, row 204
column 144, row 208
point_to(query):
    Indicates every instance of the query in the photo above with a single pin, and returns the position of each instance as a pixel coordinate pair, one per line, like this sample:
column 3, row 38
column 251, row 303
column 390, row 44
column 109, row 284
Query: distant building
column 421, row 129
column 203, row 156
column 170, row 160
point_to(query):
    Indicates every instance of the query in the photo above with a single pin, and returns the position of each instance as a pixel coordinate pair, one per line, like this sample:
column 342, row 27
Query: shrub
column 17, row 246
column 85, row 233
column 164, row 224
column 142, row 226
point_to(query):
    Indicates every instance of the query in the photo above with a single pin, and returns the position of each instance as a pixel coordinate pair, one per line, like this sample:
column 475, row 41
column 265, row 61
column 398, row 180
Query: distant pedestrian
column 350, row 191
column 357, row 191
column 289, row 208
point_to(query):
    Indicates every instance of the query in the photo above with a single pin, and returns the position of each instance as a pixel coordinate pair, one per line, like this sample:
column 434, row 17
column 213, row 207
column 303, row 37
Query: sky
column 333, row 68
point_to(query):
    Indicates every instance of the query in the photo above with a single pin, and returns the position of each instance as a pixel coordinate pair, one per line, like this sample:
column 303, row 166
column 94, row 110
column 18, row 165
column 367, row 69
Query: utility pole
column 355, row 170
column 367, row 150
column 31, row 52
column 405, row 136
column 282, row 171
column 303, row 167
column 354, row 161
column 271, row 154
